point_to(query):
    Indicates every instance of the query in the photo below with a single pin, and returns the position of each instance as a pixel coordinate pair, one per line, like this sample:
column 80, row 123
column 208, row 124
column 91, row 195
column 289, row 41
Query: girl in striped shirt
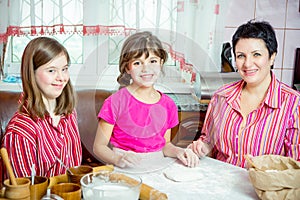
column 44, row 130
column 257, row 115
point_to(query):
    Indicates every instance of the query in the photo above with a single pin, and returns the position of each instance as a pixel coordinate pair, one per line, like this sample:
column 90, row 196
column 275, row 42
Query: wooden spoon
column 8, row 166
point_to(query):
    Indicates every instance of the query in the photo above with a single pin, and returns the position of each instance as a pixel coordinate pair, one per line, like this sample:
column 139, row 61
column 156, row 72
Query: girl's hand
column 200, row 148
column 127, row 159
column 188, row 157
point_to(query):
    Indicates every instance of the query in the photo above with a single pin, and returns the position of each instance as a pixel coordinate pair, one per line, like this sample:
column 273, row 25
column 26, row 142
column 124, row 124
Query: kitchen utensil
column 62, row 164
column 102, row 185
column 32, row 174
column 68, row 191
column 19, row 191
column 39, row 188
column 8, row 166
column 78, row 172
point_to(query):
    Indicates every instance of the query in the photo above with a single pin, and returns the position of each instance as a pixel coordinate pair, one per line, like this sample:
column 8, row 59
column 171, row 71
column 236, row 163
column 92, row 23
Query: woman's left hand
column 188, row 157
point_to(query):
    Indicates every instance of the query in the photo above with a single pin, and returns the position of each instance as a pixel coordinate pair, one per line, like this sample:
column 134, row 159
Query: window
column 91, row 48
column 73, row 43
column 93, row 32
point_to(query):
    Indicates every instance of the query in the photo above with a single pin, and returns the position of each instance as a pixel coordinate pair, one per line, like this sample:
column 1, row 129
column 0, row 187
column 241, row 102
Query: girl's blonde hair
column 134, row 47
column 38, row 52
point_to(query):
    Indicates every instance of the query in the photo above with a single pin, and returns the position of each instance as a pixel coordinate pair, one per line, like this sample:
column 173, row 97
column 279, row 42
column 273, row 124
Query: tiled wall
column 283, row 15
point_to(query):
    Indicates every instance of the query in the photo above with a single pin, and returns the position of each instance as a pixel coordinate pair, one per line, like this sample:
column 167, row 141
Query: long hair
column 134, row 47
column 38, row 52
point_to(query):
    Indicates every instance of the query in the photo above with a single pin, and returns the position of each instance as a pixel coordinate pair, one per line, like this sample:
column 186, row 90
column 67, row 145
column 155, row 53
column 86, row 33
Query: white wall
column 283, row 15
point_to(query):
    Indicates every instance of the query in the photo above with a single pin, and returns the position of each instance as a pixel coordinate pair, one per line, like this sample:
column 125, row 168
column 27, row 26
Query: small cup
column 19, row 191
column 68, row 191
column 39, row 188
column 78, row 173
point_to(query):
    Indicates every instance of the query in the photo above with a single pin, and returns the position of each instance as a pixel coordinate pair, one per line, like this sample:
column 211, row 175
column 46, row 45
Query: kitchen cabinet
column 189, row 127
column 191, row 115
column 296, row 77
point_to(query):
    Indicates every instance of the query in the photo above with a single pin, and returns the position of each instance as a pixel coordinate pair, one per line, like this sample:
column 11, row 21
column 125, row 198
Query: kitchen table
column 215, row 180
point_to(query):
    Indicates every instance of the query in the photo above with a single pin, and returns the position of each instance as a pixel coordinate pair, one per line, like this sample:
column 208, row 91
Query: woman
column 258, row 115
column 44, row 130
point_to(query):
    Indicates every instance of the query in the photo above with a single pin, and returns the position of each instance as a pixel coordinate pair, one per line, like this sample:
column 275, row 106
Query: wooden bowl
column 19, row 191
column 68, row 191
column 78, row 173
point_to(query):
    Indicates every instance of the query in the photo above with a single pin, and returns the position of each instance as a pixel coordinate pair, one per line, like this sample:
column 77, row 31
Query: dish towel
column 181, row 173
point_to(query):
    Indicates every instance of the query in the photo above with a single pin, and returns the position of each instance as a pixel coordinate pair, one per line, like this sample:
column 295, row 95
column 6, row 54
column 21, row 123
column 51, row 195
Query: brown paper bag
column 275, row 177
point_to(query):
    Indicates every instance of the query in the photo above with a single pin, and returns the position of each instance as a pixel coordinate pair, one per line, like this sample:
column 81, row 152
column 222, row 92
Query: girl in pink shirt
column 138, row 118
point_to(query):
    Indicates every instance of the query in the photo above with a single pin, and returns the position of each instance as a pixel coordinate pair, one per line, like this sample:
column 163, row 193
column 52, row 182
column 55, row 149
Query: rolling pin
column 8, row 166
column 147, row 192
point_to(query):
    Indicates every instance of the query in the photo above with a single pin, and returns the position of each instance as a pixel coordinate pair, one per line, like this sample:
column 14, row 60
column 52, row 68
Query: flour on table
column 181, row 173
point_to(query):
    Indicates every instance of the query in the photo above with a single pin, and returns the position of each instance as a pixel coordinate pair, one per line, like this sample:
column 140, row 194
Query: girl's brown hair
column 38, row 52
column 134, row 47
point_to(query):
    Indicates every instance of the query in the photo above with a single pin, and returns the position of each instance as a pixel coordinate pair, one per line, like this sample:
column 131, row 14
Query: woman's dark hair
column 259, row 30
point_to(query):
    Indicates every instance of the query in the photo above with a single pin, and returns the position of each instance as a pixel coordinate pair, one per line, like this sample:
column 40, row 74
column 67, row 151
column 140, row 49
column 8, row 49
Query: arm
column 202, row 147
column 186, row 156
column 101, row 149
column 292, row 138
column 101, row 141
column 22, row 154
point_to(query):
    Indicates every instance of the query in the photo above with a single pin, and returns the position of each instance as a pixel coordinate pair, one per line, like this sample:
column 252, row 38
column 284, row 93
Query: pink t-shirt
column 138, row 126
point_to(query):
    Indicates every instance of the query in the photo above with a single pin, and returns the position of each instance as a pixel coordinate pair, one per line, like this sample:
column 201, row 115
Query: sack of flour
column 275, row 177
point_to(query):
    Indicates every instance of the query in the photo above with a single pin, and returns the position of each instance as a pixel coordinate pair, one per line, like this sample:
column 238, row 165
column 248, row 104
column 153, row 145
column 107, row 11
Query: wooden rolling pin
column 103, row 168
column 146, row 193
column 8, row 166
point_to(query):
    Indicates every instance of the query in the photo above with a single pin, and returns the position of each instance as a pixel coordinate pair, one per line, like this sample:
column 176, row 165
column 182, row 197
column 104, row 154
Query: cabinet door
column 189, row 128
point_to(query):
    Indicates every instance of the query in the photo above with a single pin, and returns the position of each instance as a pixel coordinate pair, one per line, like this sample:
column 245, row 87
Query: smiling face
column 52, row 77
column 145, row 71
column 253, row 61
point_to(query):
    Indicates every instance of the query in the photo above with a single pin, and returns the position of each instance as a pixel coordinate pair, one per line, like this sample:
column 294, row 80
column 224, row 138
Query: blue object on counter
column 12, row 79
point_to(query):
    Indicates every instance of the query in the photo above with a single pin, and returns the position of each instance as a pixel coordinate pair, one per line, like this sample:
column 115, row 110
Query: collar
column 232, row 93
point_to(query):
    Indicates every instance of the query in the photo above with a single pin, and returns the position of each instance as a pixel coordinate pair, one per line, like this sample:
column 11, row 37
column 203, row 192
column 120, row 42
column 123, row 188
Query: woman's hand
column 127, row 159
column 188, row 157
column 200, row 148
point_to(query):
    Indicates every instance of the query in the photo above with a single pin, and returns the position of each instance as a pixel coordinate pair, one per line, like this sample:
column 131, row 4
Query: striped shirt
column 36, row 141
column 273, row 128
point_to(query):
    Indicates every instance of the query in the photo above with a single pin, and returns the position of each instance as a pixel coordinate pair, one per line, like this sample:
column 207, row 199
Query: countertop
column 212, row 179
column 184, row 101
column 188, row 102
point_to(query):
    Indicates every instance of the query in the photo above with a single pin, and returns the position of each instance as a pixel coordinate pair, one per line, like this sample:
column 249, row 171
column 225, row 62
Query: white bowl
column 110, row 185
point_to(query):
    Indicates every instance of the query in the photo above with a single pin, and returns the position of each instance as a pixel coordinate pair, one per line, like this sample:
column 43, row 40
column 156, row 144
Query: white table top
column 218, row 180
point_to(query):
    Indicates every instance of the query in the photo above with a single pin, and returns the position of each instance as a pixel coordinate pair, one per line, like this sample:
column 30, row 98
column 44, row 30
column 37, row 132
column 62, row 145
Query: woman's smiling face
column 253, row 61
column 145, row 71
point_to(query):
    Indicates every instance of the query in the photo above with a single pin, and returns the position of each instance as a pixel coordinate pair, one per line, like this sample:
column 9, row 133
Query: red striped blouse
column 38, row 142
column 273, row 128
